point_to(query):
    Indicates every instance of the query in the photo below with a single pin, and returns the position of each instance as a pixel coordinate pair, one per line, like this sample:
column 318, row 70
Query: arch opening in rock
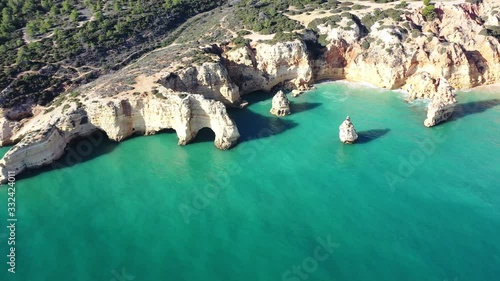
column 205, row 134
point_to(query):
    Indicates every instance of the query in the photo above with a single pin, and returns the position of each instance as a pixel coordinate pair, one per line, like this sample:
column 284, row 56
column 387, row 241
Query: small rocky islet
column 153, row 94
column 280, row 104
column 347, row 132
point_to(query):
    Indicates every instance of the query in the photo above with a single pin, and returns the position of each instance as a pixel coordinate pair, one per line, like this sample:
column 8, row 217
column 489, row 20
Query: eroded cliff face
column 209, row 79
column 44, row 142
column 393, row 57
column 266, row 66
column 402, row 55
column 426, row 59
column 331, row 63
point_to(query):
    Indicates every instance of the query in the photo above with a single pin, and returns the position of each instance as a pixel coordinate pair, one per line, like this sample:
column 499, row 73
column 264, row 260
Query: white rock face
column 349, row 35
column 420, row 85
column 119, row 118
column 347, row 132
column 442, row 104
column 6, row 130
column 281, row 104
column 269, row 65
column 209, row 79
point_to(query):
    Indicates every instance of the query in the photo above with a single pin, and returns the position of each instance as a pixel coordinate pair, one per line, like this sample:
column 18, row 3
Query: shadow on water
column 303, row 106
column 78, row 151
column 370, row 135
column 252, row 125
column 258, row 97
column 204, row 135
column 463, row 110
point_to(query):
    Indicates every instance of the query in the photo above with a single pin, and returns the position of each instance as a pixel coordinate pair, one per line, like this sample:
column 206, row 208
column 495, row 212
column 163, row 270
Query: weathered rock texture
column 347, row 132
column 266, row 66
column 442, row 105
column 209, row 79
column 119, row 118
column 416, row 55
column 280, row 105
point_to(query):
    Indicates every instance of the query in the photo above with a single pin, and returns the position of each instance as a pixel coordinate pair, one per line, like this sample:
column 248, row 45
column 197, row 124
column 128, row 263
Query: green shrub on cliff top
column 491, row 31
column 286, row 37
column 119, row 32
column 365, row 45
column 428, row 11
column 371, row 18
column 240, row 42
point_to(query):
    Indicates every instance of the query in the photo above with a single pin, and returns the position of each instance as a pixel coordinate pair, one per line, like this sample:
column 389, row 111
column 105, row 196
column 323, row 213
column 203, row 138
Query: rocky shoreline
column 449, row 53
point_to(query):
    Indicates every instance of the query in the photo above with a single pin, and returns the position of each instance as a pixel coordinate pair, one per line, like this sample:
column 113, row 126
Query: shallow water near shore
column 404, row 203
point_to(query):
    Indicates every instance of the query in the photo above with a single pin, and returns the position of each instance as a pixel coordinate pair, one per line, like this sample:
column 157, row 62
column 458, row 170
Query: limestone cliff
column 268, row 65
column 411, row 54
column 209, row 79
column 185, row 87
column 119, row 118
column 415, row 51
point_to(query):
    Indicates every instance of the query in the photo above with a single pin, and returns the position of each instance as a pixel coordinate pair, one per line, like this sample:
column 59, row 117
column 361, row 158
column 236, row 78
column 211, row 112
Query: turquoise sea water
column 405, row 203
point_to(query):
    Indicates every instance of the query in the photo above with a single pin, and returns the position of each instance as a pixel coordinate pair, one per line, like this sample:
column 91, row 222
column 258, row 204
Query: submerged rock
column 442, row 104
column 281, row 104
column 347, row 132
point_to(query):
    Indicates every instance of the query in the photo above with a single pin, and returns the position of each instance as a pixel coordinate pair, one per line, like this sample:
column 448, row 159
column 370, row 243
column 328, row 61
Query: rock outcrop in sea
column 442, row 104
column 280, row 104
column 347, row 132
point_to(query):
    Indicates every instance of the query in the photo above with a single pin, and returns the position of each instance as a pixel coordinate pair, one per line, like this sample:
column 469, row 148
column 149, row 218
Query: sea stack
column 281, row 105
column 442, row 104
column 347, row 132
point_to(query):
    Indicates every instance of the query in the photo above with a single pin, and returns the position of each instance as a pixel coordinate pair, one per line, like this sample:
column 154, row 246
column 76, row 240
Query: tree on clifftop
column 170, row 3
column 428, row 11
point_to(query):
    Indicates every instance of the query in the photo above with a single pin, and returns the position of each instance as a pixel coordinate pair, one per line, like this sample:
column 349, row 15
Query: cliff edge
column 187, row 86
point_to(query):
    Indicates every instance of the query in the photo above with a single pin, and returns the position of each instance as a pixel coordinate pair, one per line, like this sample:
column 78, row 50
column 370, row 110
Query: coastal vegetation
column 378, row 14
column 429, row 11
column 50, row 46
column 491, row 31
